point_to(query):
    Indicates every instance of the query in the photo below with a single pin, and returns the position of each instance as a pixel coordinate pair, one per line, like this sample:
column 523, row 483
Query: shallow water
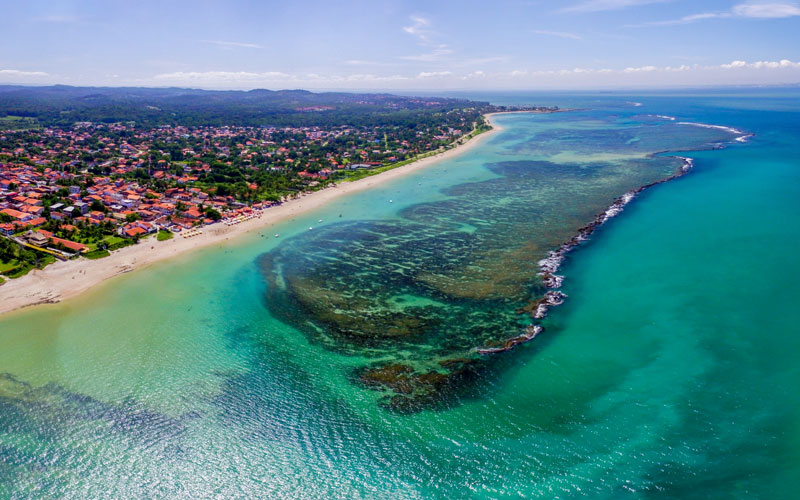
column 669, row 370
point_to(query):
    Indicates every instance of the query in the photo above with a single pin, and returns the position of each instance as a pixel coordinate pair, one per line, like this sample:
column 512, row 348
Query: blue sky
column 392, row 44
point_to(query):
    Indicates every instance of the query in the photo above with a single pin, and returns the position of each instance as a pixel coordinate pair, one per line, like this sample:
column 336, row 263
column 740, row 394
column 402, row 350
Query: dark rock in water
column 396, row 377
column 409, row 390
column 530, row 332
column 456, row 363
column 538, row 308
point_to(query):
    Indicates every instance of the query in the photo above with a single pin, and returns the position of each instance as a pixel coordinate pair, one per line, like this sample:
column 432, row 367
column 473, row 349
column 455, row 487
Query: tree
column 98, row 206
column 212, row 214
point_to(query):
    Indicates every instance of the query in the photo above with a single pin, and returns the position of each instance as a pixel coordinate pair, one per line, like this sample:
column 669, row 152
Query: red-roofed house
column 71, row 245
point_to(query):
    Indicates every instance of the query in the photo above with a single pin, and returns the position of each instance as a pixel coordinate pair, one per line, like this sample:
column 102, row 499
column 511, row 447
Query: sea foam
column 742, row 135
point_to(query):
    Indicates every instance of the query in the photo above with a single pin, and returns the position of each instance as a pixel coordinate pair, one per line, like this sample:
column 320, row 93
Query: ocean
column 383, row 347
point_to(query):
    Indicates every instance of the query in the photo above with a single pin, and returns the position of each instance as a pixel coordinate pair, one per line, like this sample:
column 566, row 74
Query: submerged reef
column 427, row 299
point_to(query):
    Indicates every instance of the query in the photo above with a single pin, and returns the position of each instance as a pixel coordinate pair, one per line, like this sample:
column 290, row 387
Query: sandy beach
column 65, row 279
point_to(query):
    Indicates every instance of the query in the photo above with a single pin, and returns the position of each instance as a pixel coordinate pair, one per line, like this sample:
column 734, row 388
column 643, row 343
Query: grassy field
column 17, row 123
column 15, row 269
column 164, row 235
column 109, row 240
column 97, row 254
column 5, row 267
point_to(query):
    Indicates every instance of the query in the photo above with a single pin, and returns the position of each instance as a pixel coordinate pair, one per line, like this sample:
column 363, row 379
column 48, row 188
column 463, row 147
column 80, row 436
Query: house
column 136, row 228
column 193, row 213
column 82, row 207
column 36, row 222
column 17, row 214
column 69, row 245
column 35, row 238
column 134, row 231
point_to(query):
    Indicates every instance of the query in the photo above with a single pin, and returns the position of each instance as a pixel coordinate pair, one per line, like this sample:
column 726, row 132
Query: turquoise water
column 668, row 372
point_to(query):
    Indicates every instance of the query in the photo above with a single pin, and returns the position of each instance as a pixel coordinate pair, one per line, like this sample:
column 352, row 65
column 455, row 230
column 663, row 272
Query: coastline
column 67, row 279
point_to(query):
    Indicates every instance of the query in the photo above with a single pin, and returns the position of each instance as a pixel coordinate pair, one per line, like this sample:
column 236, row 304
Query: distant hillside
column 64, row 105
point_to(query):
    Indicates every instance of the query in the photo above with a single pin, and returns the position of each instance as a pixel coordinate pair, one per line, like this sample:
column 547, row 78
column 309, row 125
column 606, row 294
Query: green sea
column 374, row 348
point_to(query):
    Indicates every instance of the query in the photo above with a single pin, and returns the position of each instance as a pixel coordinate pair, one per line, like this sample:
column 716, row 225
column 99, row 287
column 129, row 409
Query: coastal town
column 92, row 188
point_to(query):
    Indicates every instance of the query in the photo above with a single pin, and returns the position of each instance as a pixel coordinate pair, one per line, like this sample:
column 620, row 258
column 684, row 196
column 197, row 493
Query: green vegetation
column 5, row 267
column 360, row 174
column 16, row 260
column 212, row 214
column 17, row 123
column 190, row 107
column 97, row 254
column 122, row 243
column 164, row 235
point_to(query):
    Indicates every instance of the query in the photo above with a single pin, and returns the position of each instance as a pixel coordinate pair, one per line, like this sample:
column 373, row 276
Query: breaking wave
column 742, row 136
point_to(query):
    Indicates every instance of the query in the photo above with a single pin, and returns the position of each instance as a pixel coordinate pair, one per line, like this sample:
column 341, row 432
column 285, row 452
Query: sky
column 401, row 45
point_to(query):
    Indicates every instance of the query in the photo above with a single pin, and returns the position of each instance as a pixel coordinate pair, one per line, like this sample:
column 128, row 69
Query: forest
column 62, row 105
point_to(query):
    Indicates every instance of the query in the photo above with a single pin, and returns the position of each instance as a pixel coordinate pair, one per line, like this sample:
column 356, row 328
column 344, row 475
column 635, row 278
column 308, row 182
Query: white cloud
column 19, row 76
column 224, row 43
column 640, row 69
column 766, row 10
column 276, row 79
column 783, row 63
column 221, row 76
column 475, row 74
column 735, row 64
column 420, row 28
column 367, row 78
column 559, row 34
column 434, row 74
column 741, row 11
column 16, row 72
column 735, row 72
column 425, row 35
column 603, row 5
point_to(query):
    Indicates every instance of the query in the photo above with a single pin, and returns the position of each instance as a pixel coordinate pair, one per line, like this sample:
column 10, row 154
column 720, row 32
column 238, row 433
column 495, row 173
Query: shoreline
column 64, row 280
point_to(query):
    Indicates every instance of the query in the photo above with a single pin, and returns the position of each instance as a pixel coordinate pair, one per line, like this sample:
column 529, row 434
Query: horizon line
column 390, row 90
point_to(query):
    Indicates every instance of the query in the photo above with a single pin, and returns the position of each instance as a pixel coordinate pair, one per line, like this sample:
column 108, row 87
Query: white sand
column 66, row 279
